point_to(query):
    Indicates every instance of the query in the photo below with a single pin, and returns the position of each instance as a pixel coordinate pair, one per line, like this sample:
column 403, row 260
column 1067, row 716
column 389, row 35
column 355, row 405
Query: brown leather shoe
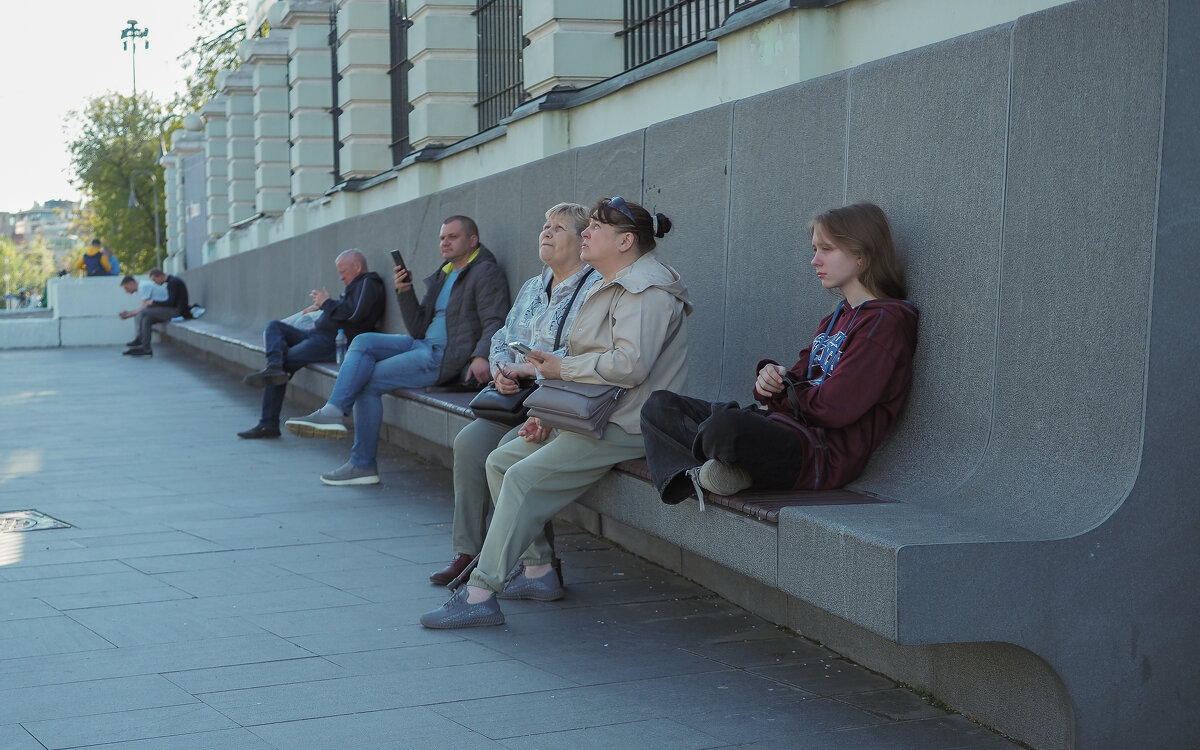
column 452, row 571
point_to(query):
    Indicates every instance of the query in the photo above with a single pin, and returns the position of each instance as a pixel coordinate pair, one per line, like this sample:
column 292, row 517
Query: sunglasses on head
column 618, row 203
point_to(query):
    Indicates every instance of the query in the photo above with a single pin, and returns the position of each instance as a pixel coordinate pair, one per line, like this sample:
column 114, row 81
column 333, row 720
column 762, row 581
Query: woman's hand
column 533, row 432
column 507, row 382
column 547, row 365
column 770, row 380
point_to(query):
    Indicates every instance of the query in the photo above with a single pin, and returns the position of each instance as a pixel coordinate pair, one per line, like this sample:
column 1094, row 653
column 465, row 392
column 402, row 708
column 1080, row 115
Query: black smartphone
column 398, row 259
column 519, row 348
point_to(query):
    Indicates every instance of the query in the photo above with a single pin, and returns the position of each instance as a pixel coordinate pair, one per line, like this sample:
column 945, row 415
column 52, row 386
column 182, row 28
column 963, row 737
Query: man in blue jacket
column 288, row 348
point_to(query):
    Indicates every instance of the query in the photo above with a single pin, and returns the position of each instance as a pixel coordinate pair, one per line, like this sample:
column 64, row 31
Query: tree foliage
column 25, row 267
column 220, row 27
column 117, row 136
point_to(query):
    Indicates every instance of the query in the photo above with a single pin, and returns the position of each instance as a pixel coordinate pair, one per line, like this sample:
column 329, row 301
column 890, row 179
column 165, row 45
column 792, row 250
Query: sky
column 57, row 54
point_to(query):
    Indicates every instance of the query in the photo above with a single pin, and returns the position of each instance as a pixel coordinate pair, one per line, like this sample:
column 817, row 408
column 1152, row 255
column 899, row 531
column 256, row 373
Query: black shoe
column 135, row 342
column 259, row 431
column 270, row 376
column 138, row 351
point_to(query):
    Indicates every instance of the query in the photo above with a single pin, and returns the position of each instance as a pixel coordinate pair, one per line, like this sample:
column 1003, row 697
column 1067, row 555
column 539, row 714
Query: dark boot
column 457, row 565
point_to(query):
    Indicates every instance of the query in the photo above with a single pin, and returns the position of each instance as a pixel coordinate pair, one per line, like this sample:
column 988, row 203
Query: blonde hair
column 576, row 213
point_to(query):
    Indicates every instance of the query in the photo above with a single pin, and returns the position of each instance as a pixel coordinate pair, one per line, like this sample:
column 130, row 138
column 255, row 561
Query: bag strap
column 570, row 304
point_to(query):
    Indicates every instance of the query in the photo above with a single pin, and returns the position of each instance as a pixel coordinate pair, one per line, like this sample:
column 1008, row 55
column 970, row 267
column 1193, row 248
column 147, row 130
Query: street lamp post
column 133, row 203
column 133, row 32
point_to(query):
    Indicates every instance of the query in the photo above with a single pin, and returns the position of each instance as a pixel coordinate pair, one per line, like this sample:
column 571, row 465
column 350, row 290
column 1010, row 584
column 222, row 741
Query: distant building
column 51, row 220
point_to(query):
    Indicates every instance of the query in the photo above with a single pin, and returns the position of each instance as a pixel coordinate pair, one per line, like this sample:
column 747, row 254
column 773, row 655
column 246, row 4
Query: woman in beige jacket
column 630, row 332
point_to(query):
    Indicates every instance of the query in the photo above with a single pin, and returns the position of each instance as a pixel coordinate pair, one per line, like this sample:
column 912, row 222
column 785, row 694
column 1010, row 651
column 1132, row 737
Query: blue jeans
column 375, row 364
column 289, row 349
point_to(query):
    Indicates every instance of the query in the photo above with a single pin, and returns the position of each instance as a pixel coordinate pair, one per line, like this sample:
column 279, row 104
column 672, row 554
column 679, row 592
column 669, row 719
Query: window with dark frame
column 501, row 66
column 335, row 111
column 398, row 75
column 655, row 28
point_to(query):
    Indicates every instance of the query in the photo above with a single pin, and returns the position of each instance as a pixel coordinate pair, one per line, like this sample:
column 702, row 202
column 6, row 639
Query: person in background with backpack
column 94, row 262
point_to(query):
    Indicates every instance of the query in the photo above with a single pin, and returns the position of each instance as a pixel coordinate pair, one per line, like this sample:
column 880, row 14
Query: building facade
column 351, row 106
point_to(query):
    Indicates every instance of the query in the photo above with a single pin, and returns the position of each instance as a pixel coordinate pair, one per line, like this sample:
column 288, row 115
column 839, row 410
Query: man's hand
column 770, row 380
column 319, row 297
column 479, row 370
column 533, row 432
column 126, row 314
column 402, row 278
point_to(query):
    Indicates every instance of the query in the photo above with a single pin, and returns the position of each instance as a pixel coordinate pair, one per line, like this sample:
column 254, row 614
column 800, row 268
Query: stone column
column 267, row 61
column 216, row 167
column 364, row 94
column 237, row 90
column 572, row 43
column 443, row 82
column 310, row 97
column 185, row 142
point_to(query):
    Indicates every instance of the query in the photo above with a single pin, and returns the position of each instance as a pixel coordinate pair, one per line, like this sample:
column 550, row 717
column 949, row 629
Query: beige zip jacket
column 632, row 332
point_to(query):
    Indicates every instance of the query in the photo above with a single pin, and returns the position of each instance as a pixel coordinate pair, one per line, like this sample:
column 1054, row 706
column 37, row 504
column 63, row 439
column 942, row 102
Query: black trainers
column 259, row 431
column 270, row 376
column 138, row 351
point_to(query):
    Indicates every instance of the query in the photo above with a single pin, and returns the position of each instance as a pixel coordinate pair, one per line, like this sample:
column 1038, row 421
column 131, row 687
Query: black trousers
column 682, row 433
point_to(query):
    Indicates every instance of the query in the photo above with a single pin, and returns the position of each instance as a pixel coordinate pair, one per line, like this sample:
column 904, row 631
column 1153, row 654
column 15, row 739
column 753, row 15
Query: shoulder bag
column 510, row 408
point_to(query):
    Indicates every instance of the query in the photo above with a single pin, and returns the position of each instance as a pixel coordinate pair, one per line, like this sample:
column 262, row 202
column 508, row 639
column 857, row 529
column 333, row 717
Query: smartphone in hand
column 519, row 348
column 398, row 259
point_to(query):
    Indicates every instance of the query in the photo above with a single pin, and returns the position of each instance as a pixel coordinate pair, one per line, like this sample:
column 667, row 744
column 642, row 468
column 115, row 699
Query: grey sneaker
column 456, row 613
column 348, row 473
column 317, row 425
column 543, row 589
column 722, row 478
column 719, row 478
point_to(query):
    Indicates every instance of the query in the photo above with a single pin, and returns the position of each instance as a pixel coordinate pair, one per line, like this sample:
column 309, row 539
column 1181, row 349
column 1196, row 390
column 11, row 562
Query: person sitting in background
column 94, row 262
column 540, row 318
column 149, row 293
column 174, row 304
column 358, row 310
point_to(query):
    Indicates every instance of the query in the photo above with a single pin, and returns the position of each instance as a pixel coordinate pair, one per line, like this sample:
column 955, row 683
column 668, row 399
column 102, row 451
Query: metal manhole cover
column 29, row 520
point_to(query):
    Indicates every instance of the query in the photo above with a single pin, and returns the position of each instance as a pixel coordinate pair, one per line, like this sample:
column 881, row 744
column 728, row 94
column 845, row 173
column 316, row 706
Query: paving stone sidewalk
column 211, row 593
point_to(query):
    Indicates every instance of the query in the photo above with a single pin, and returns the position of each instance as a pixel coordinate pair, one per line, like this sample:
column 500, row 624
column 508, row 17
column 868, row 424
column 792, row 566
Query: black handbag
column 510, row 409
column 506, row 409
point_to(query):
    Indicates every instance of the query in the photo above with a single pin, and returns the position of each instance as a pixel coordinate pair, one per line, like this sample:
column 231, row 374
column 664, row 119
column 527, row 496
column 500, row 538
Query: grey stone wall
column 1021, row 168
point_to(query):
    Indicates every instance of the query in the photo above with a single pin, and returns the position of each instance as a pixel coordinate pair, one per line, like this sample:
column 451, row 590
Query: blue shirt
column 436, row 332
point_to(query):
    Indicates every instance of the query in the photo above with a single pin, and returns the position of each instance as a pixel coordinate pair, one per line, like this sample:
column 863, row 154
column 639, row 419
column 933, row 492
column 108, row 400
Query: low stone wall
column 80, row 312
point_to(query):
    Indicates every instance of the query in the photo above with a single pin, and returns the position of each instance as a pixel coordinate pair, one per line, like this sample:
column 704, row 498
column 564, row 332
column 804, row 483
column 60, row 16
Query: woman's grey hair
column 576, row 213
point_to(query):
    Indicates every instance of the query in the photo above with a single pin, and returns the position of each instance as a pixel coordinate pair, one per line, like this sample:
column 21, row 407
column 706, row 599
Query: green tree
column 116, row 136
column 26, row 267
column 220, row 28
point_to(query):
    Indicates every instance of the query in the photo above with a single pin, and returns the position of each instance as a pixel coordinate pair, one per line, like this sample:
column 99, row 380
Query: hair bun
column 662, row 225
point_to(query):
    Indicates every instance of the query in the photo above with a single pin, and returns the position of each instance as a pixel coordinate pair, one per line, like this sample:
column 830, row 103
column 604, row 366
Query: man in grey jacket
column 450, row 333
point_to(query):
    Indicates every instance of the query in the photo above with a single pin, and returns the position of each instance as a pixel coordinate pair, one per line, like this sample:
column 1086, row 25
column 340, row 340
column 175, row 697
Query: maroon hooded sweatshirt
column 851, row 383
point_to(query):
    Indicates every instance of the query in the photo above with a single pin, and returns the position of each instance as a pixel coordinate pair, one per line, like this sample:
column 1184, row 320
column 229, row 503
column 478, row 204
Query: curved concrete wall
column 1021, row 167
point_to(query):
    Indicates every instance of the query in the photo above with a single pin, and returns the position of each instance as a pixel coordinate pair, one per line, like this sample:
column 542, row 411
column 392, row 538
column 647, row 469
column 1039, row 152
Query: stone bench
column 433, row 416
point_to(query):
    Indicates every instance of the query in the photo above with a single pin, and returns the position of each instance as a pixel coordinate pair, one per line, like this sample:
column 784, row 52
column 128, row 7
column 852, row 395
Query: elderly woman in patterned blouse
column 540, row 317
